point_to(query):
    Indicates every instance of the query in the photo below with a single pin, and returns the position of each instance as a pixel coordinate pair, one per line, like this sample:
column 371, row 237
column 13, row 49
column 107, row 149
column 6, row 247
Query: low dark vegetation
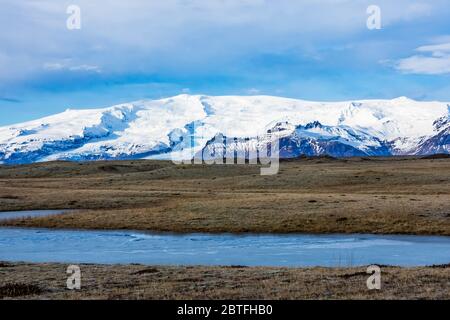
column 12, row 290
column 351, row 275
column 441, row 266
column 437, row 156
column 147, row 271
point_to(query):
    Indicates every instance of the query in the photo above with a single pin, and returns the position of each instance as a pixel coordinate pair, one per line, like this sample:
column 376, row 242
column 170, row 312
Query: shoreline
column 17, row 224
column 71, row 224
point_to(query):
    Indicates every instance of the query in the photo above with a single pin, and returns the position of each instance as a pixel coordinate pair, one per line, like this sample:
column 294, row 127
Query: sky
column 132, row 50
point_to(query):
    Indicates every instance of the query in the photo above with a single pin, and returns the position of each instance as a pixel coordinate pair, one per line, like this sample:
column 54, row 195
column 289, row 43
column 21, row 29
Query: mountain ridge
column 179, row 126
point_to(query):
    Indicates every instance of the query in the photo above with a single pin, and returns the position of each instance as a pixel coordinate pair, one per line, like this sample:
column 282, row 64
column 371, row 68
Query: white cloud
column 53, row 66
column 437, row 50
column 432, row 60
column 85, row 67
column 193, row 38
column 58, row 66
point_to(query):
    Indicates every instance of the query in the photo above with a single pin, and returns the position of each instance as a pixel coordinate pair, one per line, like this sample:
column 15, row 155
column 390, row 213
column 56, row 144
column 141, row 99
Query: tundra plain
column 309, row 195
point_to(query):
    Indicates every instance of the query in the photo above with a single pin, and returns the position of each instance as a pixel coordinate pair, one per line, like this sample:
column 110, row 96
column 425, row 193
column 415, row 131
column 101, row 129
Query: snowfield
column 186, row 124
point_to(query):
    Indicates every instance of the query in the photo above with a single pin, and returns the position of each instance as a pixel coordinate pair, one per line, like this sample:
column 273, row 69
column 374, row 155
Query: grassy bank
column 309, row 195
column 48, row 281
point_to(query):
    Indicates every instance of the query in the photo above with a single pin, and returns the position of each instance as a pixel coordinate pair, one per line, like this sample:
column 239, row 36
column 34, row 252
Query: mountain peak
column 403, row 99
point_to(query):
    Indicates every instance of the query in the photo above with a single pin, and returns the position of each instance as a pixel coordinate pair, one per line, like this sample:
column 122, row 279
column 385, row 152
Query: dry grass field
column 316, row 195
column 48, row 281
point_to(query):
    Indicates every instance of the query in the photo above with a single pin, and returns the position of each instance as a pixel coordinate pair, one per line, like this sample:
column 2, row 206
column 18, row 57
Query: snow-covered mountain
column 180, row 126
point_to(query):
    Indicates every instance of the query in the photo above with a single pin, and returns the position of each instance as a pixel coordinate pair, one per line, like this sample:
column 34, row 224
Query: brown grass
column 163, row 282
column 399, row 195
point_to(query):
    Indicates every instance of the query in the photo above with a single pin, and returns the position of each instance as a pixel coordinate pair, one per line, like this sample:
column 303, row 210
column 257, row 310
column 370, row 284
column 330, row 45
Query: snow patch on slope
column 183, row 125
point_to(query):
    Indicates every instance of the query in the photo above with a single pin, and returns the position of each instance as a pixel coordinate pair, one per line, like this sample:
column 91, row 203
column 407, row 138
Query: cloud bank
column 125, row 50
column 432, row 60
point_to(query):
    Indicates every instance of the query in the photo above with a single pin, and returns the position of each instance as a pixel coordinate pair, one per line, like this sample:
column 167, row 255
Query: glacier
column 180, row 126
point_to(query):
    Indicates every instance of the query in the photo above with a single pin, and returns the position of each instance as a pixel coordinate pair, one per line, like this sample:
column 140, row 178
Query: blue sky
column 130, row 50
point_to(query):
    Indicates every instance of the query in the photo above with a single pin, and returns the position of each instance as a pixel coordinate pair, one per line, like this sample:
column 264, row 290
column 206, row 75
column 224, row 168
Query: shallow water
column 110, row 247
column 7, row 215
